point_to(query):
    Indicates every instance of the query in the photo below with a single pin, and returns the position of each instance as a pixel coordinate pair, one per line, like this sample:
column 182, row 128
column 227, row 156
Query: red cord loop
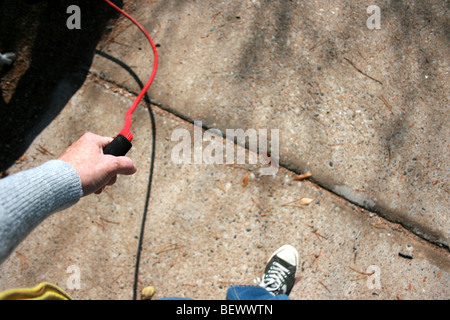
column 127, row 125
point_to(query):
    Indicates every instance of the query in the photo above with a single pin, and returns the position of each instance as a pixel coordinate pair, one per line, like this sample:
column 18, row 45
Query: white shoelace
column 274, row 277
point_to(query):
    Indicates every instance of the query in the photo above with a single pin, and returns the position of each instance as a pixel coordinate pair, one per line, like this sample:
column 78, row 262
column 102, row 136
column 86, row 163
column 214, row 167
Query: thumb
column 104, row 141
column 121, row 165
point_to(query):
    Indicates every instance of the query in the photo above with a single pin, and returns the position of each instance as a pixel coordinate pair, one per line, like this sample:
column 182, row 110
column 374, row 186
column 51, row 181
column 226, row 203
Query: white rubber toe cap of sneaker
column 289, row 254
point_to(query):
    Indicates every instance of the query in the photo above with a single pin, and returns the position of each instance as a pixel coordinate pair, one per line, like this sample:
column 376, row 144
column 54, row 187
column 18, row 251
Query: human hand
column 96, row 170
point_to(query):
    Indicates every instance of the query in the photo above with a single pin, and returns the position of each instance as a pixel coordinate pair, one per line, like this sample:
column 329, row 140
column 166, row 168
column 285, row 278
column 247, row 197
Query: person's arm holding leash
column 29, row 197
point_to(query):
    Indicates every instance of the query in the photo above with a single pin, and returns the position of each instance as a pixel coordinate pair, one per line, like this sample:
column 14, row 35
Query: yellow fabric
column 43, row 291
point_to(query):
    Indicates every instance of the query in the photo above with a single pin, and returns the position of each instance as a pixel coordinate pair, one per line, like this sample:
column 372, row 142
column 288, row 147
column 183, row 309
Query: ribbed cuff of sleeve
column 29, row 197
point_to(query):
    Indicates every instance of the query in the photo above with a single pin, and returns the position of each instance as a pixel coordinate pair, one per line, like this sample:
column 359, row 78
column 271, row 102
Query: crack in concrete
column 410, row 227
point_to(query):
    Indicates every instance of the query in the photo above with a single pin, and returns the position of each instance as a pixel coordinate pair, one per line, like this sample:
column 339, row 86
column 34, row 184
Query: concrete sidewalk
column 363, row 110
column 379, row 140
column 205, row 231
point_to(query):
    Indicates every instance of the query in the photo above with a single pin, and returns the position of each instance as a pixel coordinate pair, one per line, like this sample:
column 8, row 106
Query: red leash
column 126, row 130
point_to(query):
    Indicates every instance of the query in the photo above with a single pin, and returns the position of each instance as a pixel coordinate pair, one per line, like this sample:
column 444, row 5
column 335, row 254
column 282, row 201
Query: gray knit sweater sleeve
column 29, row 197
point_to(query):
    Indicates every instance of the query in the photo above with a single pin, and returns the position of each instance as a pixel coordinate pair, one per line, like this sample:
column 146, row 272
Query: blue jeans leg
column 241, row 292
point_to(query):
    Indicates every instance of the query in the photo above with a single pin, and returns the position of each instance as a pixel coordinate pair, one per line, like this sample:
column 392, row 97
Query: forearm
column 29, row 197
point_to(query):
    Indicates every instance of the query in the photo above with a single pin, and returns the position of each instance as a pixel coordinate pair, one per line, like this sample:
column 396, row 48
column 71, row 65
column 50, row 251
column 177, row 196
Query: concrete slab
column 364, row 110
column 205, row 230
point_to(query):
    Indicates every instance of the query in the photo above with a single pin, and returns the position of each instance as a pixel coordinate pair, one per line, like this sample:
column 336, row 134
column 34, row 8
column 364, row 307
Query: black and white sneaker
column 279, row 275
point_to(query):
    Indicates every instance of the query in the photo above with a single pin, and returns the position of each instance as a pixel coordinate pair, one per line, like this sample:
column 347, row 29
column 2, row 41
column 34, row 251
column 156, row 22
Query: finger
column 122, row 165
column 112, row 181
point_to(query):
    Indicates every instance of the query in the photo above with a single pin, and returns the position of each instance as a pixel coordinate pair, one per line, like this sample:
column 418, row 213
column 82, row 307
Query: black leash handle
column 118, row 147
